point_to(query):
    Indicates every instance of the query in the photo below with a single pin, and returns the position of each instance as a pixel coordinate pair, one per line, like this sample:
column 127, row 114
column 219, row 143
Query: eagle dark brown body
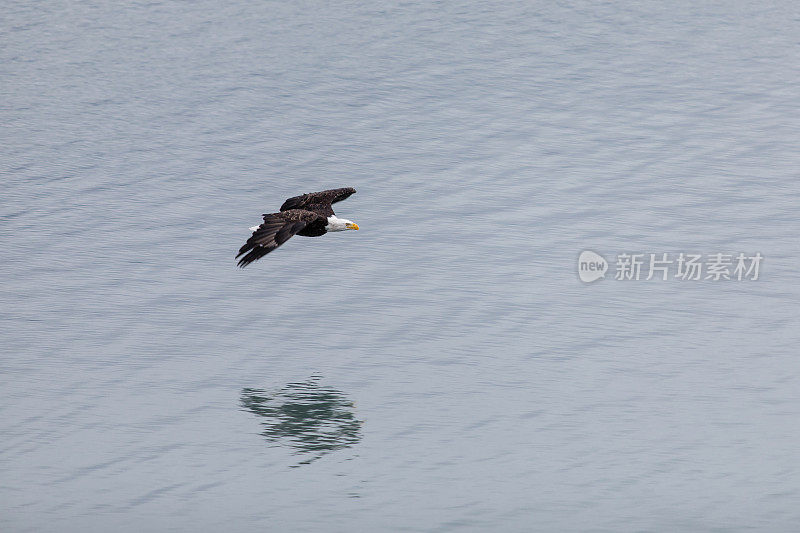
column 309, row 215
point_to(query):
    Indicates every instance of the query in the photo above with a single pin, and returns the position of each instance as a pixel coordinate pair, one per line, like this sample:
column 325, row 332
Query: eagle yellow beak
column 352, row 226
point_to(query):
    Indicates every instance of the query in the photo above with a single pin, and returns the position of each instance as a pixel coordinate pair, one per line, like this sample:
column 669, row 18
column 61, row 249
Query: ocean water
column 443, row 368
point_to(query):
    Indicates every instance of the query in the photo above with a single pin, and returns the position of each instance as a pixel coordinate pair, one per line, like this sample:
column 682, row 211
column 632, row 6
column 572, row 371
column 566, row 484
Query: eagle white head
column 339, row 224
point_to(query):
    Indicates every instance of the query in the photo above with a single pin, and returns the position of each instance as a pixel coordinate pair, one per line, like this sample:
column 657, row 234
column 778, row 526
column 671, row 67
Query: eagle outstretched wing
column 318, row 202
column 308, row 215
column 276, row 229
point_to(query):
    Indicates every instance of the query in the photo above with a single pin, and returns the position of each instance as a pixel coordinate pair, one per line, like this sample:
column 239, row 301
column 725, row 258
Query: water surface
column 443, row 368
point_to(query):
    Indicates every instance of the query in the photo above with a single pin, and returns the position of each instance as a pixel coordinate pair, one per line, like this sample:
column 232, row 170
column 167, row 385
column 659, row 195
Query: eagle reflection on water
column 312, row 419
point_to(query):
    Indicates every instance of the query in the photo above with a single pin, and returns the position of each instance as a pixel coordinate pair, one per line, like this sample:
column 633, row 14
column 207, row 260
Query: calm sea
column 443, row 368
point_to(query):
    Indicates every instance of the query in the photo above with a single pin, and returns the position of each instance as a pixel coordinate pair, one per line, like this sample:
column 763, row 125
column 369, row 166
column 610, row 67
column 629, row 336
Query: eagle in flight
column 309, row 215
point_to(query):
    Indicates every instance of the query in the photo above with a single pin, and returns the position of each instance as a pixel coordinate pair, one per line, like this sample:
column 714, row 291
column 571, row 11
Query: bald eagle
column 309, row 215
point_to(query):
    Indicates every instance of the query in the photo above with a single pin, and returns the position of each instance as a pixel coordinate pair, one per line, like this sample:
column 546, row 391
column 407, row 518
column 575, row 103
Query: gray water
column 443, row 368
